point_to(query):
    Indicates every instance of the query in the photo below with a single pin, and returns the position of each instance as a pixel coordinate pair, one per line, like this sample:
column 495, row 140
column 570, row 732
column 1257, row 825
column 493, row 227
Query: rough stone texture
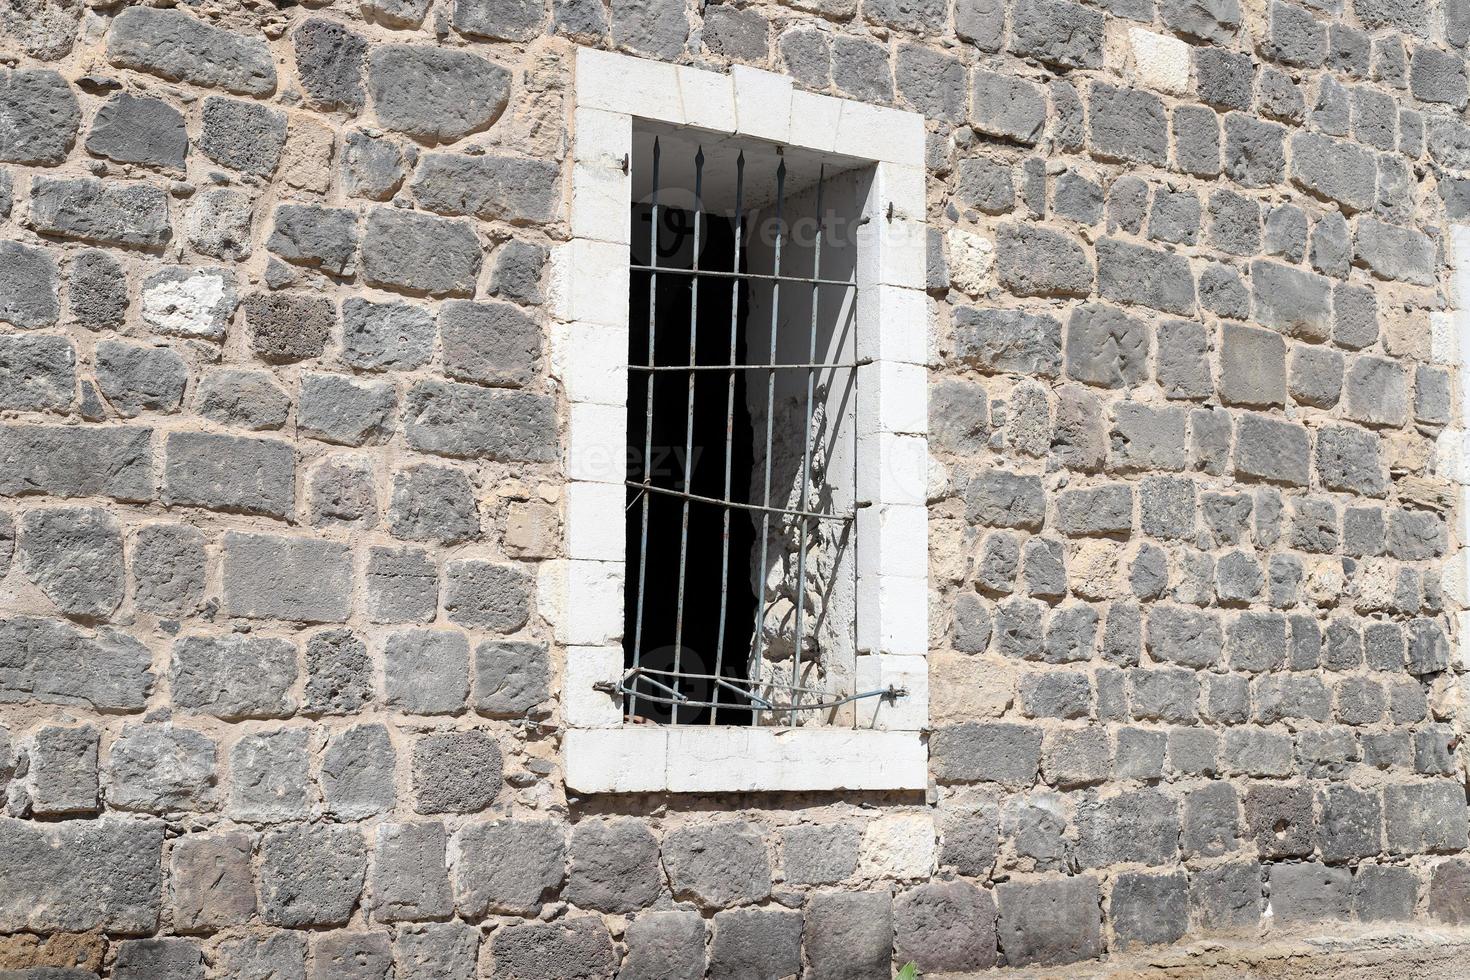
column 288, row 577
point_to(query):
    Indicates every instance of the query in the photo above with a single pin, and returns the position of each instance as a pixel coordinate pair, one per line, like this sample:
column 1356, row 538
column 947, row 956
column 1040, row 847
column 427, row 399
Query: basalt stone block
column 664, row 944
column 426, row 671
column 230, row 473
column 329, row 63
column 270, row 777
column 1008, row 341
column 39, row 116
column 614, row 866
column 295, row 579
column 488, row 187
column 106, row 213
column 1310, row 892
column 339, row 674
column 1148, row 910
column 97, row 292
column 420, row 253
column 1032, row 261
column 168, row 568
column 981, row 752
column 59, row 664
column 322, row 238
column 435, row 95
column 409, row 881
column 576, row 946
column 37, row 373
column 436, row 951
column 289, row 327
column 210, row 884
column 944, row 926
column 1058, row 32
column 718, row 864
column 338, row 408
column 507, row 867
column 1271, row 450
column 243, row 136
column 1049, row 922
column 1134, row 274
column 466, row 421
column 175, row 46
column 1255, row 150
column 137, row 378
column 1008, row 108
column 132, row 129
column 162, row 769
column 74, row 556
column 489, row 343
column 78, row 875
column 357, row 775
column 311, row 876
column 402, row 585
column 456, row 772
column 1106, row 347
column 234, row 676
column 386, row 336
column 510, row 678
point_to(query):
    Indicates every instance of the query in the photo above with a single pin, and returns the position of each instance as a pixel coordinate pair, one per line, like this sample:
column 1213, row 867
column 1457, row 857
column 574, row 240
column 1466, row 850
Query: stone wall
column 280, row 461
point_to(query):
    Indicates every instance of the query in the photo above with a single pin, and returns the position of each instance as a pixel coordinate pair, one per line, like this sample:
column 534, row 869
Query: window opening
column 741, row 515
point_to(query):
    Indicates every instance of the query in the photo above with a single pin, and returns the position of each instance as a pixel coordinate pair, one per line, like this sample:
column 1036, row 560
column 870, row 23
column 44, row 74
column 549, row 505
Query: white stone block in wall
column 616, row 760
column 595, row 525
column 871, row 132
column 814, row 120
column 1159, row 62
column 590, row 360
column 903, row 188
column 898, row 846
column 1452, row 455
column 596, row 440
column 601, row 138
column 589, row 282
column 762, row 104
column 971, row 261
column 892, row 325
column 1444, row 332
column 582, row 705
column 708, row 99
column 600, row 198
column 615, row 82
column 906, row 673
column 596, row 617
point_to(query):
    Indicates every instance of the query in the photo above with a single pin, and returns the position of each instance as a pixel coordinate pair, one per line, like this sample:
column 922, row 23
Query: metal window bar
column 640, row 682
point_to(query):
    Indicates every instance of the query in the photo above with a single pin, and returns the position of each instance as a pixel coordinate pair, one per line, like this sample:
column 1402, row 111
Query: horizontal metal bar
column 624, row 686
column 727, row 274
column 684, row 495
column 864, row 362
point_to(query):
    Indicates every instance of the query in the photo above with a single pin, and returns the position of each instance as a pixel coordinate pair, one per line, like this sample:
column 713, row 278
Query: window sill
column 724, row 759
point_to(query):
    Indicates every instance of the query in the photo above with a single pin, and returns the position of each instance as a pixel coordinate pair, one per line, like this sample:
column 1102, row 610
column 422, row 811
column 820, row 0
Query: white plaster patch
column 1160, row 62
column 899, row 846
column 971, row 260
column 189, row 303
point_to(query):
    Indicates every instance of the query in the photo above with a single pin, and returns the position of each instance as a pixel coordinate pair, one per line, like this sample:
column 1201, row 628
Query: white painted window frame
column 582, row 595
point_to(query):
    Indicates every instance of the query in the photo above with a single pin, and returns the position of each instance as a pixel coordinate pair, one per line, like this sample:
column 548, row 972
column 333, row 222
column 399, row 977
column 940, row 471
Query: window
column 743, row 603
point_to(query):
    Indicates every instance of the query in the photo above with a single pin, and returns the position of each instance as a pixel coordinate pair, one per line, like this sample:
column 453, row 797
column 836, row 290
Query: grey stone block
column 664, row 944
column 274, row 954
column 386, row 336
column 59, row 664
column 614, row 866
column 456, row 772
column 516, row 273
column 243, row 136
column 289, row 327
column 490, row 187
column 73, row 876
column 74, row 556
column 984, row 184
column 402, row 585
column 507, row 867
column 1105, row 347
column 234, row 676
column 1222, row 292
column 488, row 343
column 40, row 115
column 1384, row 893
column 61, row 776
column 268, row 776
column 927, row 80
column 133, row 129
column 210, row 884
column 1437, row 76
column 755, row 942
column 1057, row 32
column 97, row 293
column 37, row 373
column 1033, row 261
column 1164, row 694
column 1006, row 107
column 329, row 64
column 1270, row 450
column 1392, row 252
column 1280, row 819
column 486, row 595
column 1224, row 78
column 968, row 840
column 717, row 864
column 167, row 958
column 1310, row 892
column 1127, row 124
column 104, row 213
column 463, row 421
column 861, row 69
column 339, row 674
column 1102, row 510
column 1148, row 910
column 340, row 490
column 959, row 416
column 317, row 237
column 435, row 95
column 337, row 408
column 1252, row 366
column 1146, row 438
column 426, row 672
column 1235, row 223
column 1043, row 572
column 168, row 568
column 1174, row 217
column 1424, row 817
column 311, row 875
column 1137, row 825
column 1070, row 631
column 436, row 951
column 409, row 881
column 230, row 473
column 137, row 378
column 1049, row 922
column 161, row 769
column 1072, row 758
column 1211, row 826
column 295, row 579
column 510, row 678
column 372, row 166
column 1255, row 154
column 1134, row 274
column 1139, row 754
column 1315, row 376
column 351, row 956
column 1183, row 636
column 420, row 253
column 1008, row 341
column 357, row 773
column 945, row 926
column 175, row 46
column 1196, row 140
column 1350, row 825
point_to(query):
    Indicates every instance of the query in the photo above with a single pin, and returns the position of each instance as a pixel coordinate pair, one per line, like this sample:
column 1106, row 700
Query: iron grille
column 680, row 684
